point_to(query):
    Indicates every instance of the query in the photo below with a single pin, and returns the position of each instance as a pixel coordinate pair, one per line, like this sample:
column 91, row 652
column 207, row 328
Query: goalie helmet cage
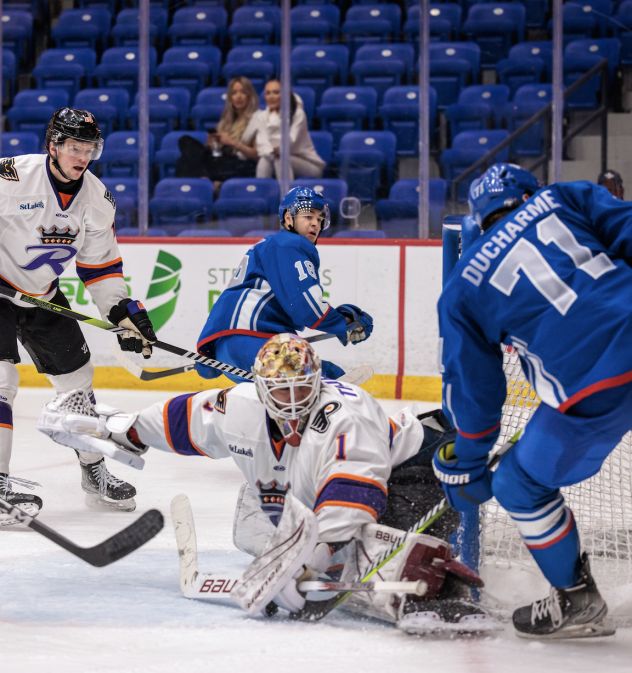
column 602, row 505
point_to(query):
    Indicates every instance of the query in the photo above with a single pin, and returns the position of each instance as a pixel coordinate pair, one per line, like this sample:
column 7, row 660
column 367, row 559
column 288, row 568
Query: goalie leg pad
column 252, row 527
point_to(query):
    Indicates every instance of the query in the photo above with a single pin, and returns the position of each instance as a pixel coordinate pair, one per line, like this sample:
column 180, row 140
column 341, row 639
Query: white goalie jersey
column 339, row 470
column 41, row 232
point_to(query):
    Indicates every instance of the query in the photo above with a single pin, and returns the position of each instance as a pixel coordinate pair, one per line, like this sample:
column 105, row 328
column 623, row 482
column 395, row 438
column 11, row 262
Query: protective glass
column 82, row 150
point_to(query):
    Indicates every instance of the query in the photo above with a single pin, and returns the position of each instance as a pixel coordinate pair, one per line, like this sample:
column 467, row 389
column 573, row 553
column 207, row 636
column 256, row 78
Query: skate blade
column 97, row 503
column 429, row 623
column 30, row 508
column 577, row 631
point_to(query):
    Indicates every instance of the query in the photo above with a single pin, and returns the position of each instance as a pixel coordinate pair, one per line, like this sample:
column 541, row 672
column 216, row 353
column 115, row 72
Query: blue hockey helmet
column 501, row 186
column 304, row 198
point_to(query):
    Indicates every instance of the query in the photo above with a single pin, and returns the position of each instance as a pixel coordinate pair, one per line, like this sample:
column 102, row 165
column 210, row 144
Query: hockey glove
column 132, row 316
column 467, row 483
column 360, row 327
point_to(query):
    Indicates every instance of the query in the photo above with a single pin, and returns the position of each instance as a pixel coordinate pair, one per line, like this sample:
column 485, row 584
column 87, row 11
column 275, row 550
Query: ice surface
column 58, row 614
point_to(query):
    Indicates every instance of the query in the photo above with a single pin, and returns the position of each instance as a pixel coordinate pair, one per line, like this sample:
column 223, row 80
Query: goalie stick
column 104, row 553
column 216, row 587
column 357, row 376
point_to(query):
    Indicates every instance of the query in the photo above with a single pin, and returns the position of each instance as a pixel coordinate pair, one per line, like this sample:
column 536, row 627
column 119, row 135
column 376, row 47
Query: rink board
column 397, row 281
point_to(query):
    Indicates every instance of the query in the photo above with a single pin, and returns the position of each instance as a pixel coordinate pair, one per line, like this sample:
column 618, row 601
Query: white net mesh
column 74, row 402
column 602, row 505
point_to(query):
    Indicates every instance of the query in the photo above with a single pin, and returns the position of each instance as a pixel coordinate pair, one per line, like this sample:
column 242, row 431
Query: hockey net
column 602, row 505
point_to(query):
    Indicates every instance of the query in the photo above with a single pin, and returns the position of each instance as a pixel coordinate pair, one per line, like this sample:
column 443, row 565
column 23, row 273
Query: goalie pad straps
column 423, row 557
column 281, row 560
column 252, row 527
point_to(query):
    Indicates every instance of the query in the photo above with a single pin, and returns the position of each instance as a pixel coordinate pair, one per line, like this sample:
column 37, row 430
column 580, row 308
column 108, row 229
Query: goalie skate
column 448, row 617
column 27, row 502
column 104, row 491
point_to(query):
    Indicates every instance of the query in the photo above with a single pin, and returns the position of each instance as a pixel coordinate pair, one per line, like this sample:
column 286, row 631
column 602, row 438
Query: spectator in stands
column 305, row 162
column 229, row 151
column 612, row 181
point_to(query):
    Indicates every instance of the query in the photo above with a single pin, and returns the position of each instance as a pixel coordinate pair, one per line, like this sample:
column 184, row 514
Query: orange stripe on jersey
column 352, row 505
column 8, row 426
column 98, row 280
column 352, row 477
column 15, row 287
column 99, row 266
column 193, row 444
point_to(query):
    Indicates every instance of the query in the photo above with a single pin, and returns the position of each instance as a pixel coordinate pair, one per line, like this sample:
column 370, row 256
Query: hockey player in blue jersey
column 550, row 277
column 277, row 290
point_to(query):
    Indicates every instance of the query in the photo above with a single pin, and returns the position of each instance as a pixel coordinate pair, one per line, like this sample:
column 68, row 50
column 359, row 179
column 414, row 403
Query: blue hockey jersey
column 275, row 290
column 550, row 279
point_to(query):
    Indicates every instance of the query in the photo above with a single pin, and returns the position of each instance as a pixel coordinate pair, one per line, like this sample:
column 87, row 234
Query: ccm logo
column 387, row 537
column 217, row 586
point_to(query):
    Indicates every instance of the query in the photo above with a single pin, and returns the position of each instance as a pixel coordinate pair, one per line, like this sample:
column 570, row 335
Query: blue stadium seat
column 169, row 152
column 64, row 69
column 399, row 214
column 166, row 104
column 452, row 66
column 190, row 67
column 577, row 24
column 467, row 148
column 126, row 30
column 9, row 73
column 17, row 144
column 244, row 202
column 535, row 50
column 107, row 105
column 208, row 108
column 133, row 231
column 600, row 11
column 517, row 72
column 586, row 97
column 314, row 25
column 608, row 48
column 445, row 23
column 479, row 107
column 32, row 110
column 323, row 144
column 206, row 233
column 181, row 201
column 333, row 189
column 307, row 95
column 623, row 31
column 119, row 68
column 319, row 67
column 528, row 100
column 256, row 63
column 400, row 115
column 125, row 191
column 383, row 66
column 260, row 233
column 88, row 27
column 344, row 108
column 366, row 24
column 495, row 26
column 255, row 26
column 360, row 233
column 366, row 160
column 110, row 5
column 198, row 26
column 17, row 33
column 120, row 154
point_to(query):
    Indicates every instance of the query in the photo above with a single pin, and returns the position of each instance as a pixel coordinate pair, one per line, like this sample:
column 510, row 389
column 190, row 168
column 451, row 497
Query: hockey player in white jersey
column 53, row 211
column 329, row 444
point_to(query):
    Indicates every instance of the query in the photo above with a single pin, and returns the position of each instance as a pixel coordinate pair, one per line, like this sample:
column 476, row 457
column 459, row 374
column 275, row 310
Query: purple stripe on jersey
column 341, row 489
column 87, row 274
column 178, row 420
column 6, row 414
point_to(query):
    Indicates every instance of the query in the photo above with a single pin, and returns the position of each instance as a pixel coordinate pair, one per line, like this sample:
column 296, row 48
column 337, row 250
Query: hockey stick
column 68, row 313
column 106, row 552
column 216, row 587
column 316, row 610
column 357, row 376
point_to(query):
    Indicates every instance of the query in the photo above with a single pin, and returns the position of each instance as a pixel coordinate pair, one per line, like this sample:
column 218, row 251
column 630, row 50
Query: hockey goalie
column 364, row 478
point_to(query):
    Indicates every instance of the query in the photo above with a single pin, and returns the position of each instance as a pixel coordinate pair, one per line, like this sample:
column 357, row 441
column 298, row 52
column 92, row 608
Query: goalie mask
column 287, row 375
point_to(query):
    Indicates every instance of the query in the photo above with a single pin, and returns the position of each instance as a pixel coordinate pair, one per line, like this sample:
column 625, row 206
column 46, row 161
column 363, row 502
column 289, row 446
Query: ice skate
column 104, row 490
column 446, row 616
column 29, row 503
column 578, row 612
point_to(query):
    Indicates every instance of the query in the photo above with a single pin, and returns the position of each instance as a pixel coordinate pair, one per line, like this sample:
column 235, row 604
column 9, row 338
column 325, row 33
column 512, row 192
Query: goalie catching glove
column 360, row 325
column 72, row 420
column 132, row 316
column 466, row 483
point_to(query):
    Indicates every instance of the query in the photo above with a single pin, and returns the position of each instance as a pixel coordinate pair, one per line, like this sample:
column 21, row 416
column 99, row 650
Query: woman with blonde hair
column 230, row 150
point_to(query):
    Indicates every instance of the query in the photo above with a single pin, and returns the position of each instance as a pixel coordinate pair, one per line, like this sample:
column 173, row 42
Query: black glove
column 132, row 316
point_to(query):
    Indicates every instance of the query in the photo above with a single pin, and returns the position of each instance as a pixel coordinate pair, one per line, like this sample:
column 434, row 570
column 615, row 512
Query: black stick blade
column 125, row 542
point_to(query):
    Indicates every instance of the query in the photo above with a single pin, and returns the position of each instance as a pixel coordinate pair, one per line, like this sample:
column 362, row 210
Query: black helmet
column 76, row 124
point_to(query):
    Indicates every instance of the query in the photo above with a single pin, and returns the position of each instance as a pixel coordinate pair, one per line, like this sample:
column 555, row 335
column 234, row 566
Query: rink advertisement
column 397, row 282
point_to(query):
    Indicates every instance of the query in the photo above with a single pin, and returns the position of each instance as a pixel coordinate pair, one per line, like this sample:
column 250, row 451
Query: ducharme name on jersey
column 480, row 263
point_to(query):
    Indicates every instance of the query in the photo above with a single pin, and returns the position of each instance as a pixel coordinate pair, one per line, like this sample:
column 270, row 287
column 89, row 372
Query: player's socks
column 577, row 612
column 29, row 503
column 104, row 489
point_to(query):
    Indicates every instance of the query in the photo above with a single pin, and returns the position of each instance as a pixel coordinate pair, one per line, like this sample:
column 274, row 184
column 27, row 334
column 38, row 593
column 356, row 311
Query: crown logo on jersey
column 57, row 235
column 273, row 493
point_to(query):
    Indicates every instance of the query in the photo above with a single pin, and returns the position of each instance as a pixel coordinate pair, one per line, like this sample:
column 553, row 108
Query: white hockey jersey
column 340, row 469
column 42, row 231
